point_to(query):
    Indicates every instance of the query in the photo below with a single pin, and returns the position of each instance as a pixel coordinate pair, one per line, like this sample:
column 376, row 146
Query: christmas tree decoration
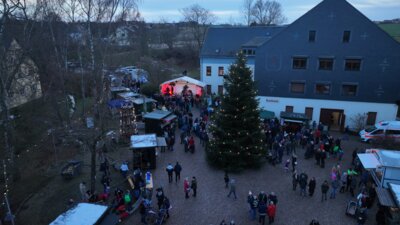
column 235, row 131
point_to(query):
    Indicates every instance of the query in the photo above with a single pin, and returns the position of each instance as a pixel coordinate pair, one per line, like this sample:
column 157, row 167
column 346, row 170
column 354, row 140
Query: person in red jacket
column 271, row 211
column 186, row 187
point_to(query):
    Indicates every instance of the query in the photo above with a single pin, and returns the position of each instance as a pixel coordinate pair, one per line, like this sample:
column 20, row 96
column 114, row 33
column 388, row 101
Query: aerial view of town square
column 227, row 112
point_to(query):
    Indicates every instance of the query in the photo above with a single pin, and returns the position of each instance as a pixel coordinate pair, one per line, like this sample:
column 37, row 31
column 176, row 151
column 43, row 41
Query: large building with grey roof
column 332, row 64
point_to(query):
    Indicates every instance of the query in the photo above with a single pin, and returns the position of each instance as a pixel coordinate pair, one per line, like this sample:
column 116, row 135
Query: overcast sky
column 227, row 11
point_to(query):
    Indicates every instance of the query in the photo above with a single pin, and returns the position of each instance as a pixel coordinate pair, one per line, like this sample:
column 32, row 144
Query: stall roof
column 114, row 89
column 157, row 114
column 369, row 160
column 128, row 94
column 170, row 117
column 144, row 141
column 265, row 114
column 294, row 116
column 395, row 189
column 81, row 214
column 139, row 101
column 389, row 158
column 384, row 196
column 185, row 79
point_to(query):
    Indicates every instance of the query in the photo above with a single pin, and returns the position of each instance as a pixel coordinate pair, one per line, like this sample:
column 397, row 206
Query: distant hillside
column 393, row 29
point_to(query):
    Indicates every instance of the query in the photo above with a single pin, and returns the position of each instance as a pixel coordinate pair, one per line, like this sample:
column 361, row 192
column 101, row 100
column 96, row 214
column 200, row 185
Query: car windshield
column 370, row 129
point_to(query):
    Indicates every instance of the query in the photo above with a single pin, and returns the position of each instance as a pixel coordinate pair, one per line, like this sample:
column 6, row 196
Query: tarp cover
column 175, row 86
column 144, row 141
column 369, row 160
column 82, row 214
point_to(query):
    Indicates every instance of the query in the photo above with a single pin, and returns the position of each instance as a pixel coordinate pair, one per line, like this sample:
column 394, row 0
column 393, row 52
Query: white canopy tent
column 175, row 86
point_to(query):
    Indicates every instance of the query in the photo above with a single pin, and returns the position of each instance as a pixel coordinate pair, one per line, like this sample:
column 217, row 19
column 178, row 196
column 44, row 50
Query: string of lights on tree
column 236, row 138
column 127, row 121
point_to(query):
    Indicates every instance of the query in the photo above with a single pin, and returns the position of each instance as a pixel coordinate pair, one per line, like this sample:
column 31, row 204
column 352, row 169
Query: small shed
column 157, row 120
column 176, row 86
column 144, row 151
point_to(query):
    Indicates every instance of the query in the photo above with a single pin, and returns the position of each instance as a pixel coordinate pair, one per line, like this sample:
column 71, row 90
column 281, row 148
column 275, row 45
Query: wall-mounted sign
column 274, row 100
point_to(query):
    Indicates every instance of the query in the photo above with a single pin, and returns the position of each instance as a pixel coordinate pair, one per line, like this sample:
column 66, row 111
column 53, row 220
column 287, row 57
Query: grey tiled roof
column 226, row 41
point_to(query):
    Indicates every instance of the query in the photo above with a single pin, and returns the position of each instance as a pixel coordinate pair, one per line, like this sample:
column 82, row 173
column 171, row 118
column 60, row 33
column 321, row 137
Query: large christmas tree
column 236, row 140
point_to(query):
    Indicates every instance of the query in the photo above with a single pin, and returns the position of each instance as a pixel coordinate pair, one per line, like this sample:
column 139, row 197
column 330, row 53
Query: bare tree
column 12, row 59
column 265, row 12
column 247, row 11
column 198, row 19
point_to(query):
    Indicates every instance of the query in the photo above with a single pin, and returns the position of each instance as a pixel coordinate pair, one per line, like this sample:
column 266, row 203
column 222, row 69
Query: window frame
column 325, row 59
column 342, row 93
column 346, row 38
column 297, row 82
column 298, row 58
column 208, row 72
column 312, row 36
column 219, row 71
column 346, row 61
column 322, row 83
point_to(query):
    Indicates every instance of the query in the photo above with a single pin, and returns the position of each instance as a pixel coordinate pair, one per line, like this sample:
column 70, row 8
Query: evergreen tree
column 236, row 139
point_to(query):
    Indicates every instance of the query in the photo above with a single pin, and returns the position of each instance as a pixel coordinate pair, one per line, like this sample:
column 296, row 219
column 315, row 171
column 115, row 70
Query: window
column 311, row 36
column 325, row 64
column 353, row 64
column 221, row 71
column 297, row 87
column 309, row 112
column 299, row 63
column 208, row 70
column 322, row 89
column 220, row 90
column 371, row 119
column 208, row 89
column 346, row 36
column 393, row 132
column 289, row 109
column 377, row 132
column 249, row 51
column 349, row 90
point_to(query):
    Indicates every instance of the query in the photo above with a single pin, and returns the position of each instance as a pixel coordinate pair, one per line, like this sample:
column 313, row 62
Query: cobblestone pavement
column 212, row 204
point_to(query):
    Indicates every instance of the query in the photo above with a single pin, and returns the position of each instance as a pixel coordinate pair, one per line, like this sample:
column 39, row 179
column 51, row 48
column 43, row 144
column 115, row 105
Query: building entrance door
column 333, row 118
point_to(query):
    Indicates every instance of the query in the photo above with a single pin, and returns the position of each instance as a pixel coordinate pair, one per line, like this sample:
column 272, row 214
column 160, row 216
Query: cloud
column 375, row 3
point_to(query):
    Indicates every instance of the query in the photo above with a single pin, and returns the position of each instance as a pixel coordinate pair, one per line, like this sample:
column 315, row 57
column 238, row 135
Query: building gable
column 378, row 53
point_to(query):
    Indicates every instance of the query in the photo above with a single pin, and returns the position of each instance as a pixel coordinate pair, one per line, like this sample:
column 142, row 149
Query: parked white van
column 383, row 130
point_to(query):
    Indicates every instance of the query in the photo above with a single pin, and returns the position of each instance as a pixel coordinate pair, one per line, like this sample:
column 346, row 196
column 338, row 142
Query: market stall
column 177, row 85
column 144, row 151
column 157, row 120
column 293, row 121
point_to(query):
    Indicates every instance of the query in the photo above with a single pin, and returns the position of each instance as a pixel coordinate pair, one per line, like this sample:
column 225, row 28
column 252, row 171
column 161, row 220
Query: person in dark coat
column 324, row 190
column 177, row 170
column 323, row 157
column 303, row 178
column 193, row 185
column 226, row 180
column 314, row 222
column 295, row 180
column 311, row 186
column 380, row 217
column 262, row 211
